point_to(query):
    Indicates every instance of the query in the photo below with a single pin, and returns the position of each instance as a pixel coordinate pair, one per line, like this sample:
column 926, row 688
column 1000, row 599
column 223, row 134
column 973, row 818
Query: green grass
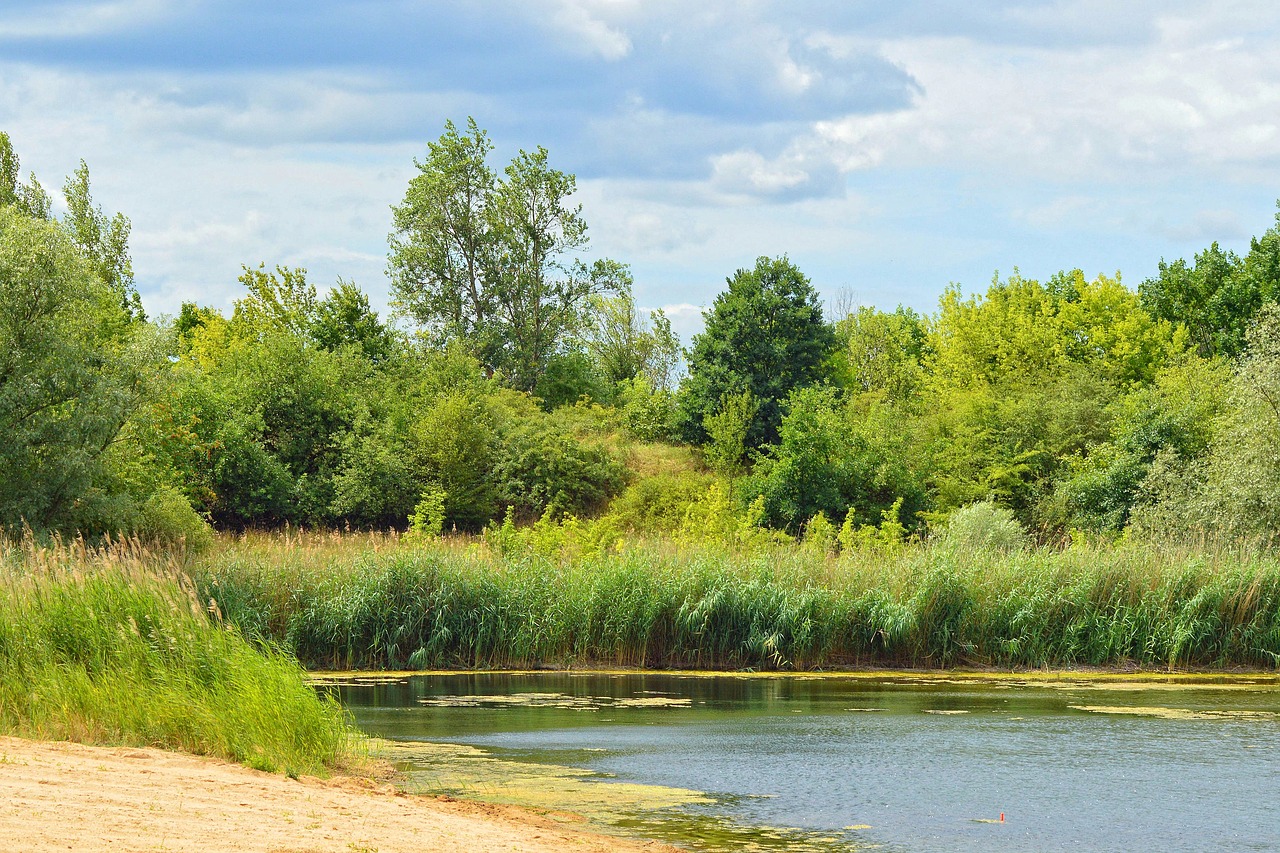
column 370, row 602
column 112, row 646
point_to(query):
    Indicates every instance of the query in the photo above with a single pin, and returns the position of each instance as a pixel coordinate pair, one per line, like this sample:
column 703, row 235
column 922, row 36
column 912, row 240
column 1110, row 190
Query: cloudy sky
column 888, row 148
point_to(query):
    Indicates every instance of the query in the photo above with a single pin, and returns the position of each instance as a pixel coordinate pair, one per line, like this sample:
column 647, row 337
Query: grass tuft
column 112, row 645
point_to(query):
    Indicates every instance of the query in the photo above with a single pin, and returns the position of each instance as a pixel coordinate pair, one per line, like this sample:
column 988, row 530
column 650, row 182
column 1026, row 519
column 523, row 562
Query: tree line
column 526, row 383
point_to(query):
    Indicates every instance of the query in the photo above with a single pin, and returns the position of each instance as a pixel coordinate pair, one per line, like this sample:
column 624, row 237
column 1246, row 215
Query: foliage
column 486, row 260
column 834, row 457
column 764, row 335
column 1233, row 491
column 1217, row 296
column 428, row 516
column 984, row 526
column 72, row 369
column 727, row 430
column 880, row 352
column 542, row 465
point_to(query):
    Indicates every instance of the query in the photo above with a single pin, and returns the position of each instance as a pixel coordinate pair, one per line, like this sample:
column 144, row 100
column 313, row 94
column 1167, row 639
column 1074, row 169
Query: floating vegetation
column 1176, row 713
column 554, row 700
column 678, row 815
column 943, row 712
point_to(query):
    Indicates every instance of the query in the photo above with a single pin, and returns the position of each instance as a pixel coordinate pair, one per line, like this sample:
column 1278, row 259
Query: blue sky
column 889, row 149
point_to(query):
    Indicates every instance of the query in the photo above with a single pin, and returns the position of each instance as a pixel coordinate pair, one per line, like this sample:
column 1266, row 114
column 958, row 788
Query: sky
column 888, row 149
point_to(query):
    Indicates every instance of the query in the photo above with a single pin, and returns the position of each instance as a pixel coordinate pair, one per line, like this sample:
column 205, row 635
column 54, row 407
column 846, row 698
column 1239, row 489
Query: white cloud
column 574, row 18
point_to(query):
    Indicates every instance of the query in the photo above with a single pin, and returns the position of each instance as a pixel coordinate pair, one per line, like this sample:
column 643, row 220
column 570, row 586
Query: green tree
column 29, row 198
column 1217, row 296
column 103, row 242
column 764, row 335
column 488, row 260
column 880, row 352
column 843, row 459
column 344, row 318
column 72, row 370
column 621, row 340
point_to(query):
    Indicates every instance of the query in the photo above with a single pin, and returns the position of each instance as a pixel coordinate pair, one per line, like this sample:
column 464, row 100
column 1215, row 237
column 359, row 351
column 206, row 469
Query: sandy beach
column 66, row 796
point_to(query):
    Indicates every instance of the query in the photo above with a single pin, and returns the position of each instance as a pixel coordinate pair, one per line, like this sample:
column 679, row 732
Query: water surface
column 896, row 763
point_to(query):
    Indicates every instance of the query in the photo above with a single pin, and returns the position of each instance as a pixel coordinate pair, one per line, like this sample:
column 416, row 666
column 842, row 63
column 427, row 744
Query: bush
column 659, row 503
column 541, row 464
column 984, row 526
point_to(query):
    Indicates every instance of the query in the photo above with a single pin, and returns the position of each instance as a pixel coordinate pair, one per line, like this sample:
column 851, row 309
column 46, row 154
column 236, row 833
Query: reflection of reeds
column 111, row 644
column 369, row 602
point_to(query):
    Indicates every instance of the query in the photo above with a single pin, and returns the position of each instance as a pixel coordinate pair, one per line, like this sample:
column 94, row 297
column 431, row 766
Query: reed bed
column 353, row 603
column 112, row 645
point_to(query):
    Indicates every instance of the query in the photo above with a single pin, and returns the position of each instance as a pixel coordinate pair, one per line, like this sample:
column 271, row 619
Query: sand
column 65, row 796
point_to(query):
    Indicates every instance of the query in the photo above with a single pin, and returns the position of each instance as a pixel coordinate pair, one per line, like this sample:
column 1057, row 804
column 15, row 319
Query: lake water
column 897, row 763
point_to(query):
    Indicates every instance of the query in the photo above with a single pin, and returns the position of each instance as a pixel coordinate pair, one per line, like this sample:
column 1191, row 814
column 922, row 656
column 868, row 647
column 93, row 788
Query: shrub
column 984, row 526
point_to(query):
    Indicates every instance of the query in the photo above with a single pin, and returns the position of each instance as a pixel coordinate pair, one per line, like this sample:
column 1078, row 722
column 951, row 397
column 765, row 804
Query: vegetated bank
column 378, row 603
column 111, row 645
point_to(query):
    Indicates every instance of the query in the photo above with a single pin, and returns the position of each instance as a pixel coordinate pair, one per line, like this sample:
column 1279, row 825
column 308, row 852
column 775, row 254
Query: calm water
column 915, row 765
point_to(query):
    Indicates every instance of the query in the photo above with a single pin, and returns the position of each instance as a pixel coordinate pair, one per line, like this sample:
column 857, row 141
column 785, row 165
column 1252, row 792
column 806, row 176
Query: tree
column 344, row 318
column 1218, row 295
column 621, row 341
column 104, row 242
column 879, row 352
column 488, row 261
column 29, row 198
column 764, row 335
column 71, row 372
column 444, row 250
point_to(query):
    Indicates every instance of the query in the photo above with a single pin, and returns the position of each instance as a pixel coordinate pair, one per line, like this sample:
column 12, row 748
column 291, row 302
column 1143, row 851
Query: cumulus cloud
column 887, row 146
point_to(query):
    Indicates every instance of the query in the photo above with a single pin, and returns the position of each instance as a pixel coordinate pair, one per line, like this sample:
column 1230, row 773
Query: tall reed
column 112, row 645
column 377, row 604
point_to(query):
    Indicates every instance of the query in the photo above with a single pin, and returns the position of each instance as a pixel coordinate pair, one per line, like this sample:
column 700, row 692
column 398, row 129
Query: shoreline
column 1109, row 675
column 63, row 795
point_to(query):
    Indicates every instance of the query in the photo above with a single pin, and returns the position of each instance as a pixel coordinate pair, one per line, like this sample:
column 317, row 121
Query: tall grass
column 112, row 645
column 371, row 603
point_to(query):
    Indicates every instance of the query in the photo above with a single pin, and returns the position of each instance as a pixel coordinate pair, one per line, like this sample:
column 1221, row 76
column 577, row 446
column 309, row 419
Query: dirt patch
column 60, row 796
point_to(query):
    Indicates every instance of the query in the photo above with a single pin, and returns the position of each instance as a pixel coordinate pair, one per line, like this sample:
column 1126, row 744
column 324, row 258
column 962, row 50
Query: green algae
column 676, row 815
column 1177, row 713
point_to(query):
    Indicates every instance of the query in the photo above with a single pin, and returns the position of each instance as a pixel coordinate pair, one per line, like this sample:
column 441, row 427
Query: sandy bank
column 62, row 796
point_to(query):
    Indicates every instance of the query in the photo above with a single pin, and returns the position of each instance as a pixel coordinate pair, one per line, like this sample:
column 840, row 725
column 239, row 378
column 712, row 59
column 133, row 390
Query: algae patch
column 469, row 772
column 553, row 700
column 1177, row 713
column 678, row 815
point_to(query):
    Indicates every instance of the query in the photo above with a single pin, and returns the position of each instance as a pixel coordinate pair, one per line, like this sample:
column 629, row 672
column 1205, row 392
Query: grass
column 111, row 645
column 374, row 602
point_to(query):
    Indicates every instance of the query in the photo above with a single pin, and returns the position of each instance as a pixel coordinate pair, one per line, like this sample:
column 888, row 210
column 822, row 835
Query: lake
column 843, row 762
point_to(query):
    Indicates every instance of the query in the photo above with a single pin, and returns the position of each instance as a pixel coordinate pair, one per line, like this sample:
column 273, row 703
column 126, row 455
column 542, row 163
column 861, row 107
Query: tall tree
column 103, row 242
column 764, row 335
column 443, row 249
column 70, row 372
column 624, row 343
column 489, row 261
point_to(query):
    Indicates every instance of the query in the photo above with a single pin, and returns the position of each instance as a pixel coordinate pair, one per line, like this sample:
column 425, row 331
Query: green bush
column 984, row 526
column 540, row 464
